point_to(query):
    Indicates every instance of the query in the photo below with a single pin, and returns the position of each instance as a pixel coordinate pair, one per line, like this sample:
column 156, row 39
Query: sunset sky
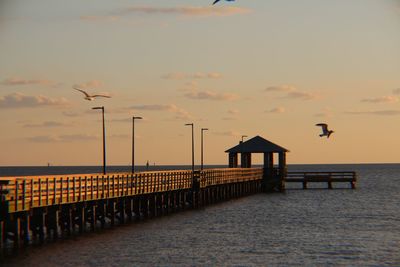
column 272, row 68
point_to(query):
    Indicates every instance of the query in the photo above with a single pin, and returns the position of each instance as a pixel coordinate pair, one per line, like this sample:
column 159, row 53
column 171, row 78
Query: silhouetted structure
column 274, row 178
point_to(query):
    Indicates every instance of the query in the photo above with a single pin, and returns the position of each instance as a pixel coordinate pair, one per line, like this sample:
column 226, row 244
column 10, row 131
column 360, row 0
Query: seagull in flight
column 216, row 1
column 325, row 131
column 90, row 97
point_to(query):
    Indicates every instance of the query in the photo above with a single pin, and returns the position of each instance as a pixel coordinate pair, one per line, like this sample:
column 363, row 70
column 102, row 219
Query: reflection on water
column 300, row 227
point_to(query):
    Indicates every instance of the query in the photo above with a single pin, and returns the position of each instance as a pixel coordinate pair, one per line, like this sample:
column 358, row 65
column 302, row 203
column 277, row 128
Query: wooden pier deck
column 322, row 177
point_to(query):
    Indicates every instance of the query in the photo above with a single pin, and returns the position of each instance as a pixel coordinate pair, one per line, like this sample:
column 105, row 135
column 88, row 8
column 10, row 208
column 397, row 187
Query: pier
column 38, row 209
column 322, row 177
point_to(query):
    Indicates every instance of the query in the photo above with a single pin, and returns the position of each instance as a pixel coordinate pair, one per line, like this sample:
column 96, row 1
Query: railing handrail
column 26, row 192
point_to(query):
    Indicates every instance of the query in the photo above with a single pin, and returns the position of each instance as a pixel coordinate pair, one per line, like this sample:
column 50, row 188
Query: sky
column 272, row 68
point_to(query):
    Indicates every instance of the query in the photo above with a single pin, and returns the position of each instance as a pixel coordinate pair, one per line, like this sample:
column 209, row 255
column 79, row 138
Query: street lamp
column 104, row 140
column 133, row 141
column 191, row 124
column 202, row 130
column 243, row 137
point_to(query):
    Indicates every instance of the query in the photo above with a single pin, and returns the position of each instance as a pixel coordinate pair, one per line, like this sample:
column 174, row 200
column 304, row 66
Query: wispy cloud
column 15, row 81
column 280, row 88
column 89, row 84
column 375, row 112
column 277, row 110
column 230, row 118
column 46, row 124
column 382, row 99
column 18, row 100
column 99, row 18
column 71, row 114
column 292, row 92
column 326, row 113
column 197, row 75
column 301, row 95
column 188, row 11
column 233, row 111
column 179, row 112
column 62, row 138
column 207, row 95
column 396, row 91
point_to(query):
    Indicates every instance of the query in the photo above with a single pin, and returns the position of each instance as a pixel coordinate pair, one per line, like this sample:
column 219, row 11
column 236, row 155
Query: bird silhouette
column 90, row 97
column 325, row 131
column 216, row 1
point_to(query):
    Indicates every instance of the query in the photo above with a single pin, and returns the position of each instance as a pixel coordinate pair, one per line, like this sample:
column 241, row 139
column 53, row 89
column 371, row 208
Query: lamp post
column 202, row 130
column 133, row 141
column 243, row 136
column 191, row 124
column 104, row 140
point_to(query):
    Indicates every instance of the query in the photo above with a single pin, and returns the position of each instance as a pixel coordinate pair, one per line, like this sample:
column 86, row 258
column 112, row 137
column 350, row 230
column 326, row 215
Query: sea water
column 314, row 227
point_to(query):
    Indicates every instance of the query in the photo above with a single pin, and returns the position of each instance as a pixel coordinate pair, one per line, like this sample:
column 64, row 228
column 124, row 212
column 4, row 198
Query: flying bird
column 325, row 131
column 216, row 1
column 90, row 97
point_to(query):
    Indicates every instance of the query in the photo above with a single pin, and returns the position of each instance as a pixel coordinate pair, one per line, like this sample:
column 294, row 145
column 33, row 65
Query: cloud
column 99, row 18
column 280, row 88
column 229, row 119
column 47, row 124
column 71, row 114
column 14, row 81
column 90, row 84
column 396, row 91
column 277, row 110
column 326, row 113
column 189, row 11
column 62, row 138
column 301, row 95
column 382, row 99
column 375, row 112
column 197, row 75
column 233, row 111
column 18, row 100
column 292, row 92
column 179, row 112
column 207, row 95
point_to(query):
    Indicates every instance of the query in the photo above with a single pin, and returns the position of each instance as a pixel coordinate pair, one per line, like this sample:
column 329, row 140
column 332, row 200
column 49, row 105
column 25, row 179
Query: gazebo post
column 245, row 160
column 268, row 170
column 282, row 171
column 233, row 160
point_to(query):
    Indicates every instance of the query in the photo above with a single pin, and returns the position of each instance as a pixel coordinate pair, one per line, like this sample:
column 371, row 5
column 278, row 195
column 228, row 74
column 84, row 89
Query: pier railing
column 211, row 177
column 24, row 193
column 322, row 177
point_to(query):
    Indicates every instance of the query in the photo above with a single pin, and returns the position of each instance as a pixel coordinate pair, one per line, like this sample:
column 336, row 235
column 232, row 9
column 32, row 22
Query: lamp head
column 98, row 108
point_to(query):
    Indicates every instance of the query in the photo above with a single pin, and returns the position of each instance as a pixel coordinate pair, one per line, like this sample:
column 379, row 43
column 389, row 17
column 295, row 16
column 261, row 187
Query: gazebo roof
column 256, row 144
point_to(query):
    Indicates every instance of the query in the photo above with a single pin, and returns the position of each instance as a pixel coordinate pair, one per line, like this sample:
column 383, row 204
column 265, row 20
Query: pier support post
column 17, row 231
column 2, row 235
column 25, row 228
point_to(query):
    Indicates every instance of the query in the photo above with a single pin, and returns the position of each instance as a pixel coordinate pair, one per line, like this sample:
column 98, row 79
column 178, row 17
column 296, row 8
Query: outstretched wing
column 101, row 96
column 324, row 126
column 80, row 90
column 216, row 1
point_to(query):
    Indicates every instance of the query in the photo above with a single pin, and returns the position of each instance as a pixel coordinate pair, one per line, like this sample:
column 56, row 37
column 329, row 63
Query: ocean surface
column 315, row 227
